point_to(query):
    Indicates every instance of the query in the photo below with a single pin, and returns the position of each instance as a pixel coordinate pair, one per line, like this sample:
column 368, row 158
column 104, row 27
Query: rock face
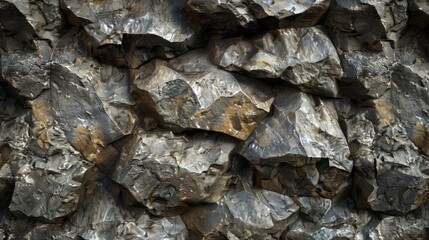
column 304, row 57
column 187, row 93
column 191, row 119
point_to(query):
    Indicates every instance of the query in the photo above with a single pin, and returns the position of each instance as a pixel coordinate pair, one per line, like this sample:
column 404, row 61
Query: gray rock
column 90, row 101
column 228, row 17
column 253, row 214
column 190, row 92
column 302, row 139
column 28, row 73
column 364, row 24
column 366, row 75
column 304, row 57
column 102, row 216
column 396, row 228
column 149, row 24
column 389, row 171
column 166, row 172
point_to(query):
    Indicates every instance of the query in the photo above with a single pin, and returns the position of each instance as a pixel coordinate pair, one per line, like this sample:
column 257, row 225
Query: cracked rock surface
column 223, row 120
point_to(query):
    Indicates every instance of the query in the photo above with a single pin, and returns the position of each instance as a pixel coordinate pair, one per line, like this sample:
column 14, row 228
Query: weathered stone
column 340, row 221
column 400, row 228
column 364, row 24
column 300, row 149
column 148, row 23
column 27, row 72
column 102, row 216
column 166, row 172
column 304, row 57
column 389, row 172
column 234, row 16
column 90, row 101
column 366, row 75
column 257, row 214
column 190, row 92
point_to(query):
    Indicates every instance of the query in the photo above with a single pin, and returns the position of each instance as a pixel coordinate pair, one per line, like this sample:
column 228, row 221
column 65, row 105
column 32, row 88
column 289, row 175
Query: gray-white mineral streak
column 190, row 92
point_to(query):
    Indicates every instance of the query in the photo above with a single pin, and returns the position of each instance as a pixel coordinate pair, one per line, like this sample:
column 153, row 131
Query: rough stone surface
column 166, row 172
column 300, row 149
column 304, row 57
column 187, row 93
column 234, row 16
column 192, row 119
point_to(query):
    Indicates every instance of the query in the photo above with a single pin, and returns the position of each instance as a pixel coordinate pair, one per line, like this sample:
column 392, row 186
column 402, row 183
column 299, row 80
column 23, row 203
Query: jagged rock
column 46, row 170
column 300, row 149
column 364, row 24
column 190, row 92
column 304, row 57
column 234, row 16
column 366, row 74
column 102, row 216
column 15, row 32
column 400, row 228
column 14, row 227
column 165, row 172
column 27, row 72
column 341, row 221
column 389, row 172
column 253, row 214
column 149, row 24
column 90, row 101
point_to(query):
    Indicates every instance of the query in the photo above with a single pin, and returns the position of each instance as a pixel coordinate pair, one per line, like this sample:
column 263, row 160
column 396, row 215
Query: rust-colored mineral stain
column 87, row 142
column 420, row 137
column 384, row 112
column 42, row 119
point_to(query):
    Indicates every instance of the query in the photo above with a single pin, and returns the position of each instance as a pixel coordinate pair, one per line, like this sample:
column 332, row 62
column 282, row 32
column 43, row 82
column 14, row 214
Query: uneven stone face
column 242, row 215
column 47, row 178
column 390, row 172
column 302, row 139
column 102, row 216
column 165, row 172
column 304, row 57
column 27, row 72
column 142, row 24
column 350, row 30
column 190, row 92
column 234, row 16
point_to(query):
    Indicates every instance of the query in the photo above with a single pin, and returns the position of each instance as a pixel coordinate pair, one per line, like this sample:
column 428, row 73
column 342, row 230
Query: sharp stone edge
column 203, row 119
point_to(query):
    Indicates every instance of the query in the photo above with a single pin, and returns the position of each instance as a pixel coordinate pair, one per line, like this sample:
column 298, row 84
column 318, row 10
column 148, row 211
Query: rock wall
column 203, row 119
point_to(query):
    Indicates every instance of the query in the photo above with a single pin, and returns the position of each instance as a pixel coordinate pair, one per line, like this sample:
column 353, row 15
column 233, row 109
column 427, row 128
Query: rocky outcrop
column 190, row 119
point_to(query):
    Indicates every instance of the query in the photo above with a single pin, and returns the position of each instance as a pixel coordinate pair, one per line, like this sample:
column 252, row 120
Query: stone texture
column 300, row 148
column 304, row 57
column 154, row 28
column 229, row 17
column 185, row 93
column 243, row 214
column 351, row 30
column 166, row 172
column 190, row 119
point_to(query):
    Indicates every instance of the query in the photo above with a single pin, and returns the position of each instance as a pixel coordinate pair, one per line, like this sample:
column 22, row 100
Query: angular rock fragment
column 90, row 101
column 363, row 24
column 165, row 172
column 340, row 221
column 300, row 149
column 234, row 16
column 304, row 57
column 257, row 214
column 390, row 174
column 366, row 75
column 400, row 228
column 149, row 24
column 102, row 216
column 190, row 92
column 27, row 72
column 49, row 175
